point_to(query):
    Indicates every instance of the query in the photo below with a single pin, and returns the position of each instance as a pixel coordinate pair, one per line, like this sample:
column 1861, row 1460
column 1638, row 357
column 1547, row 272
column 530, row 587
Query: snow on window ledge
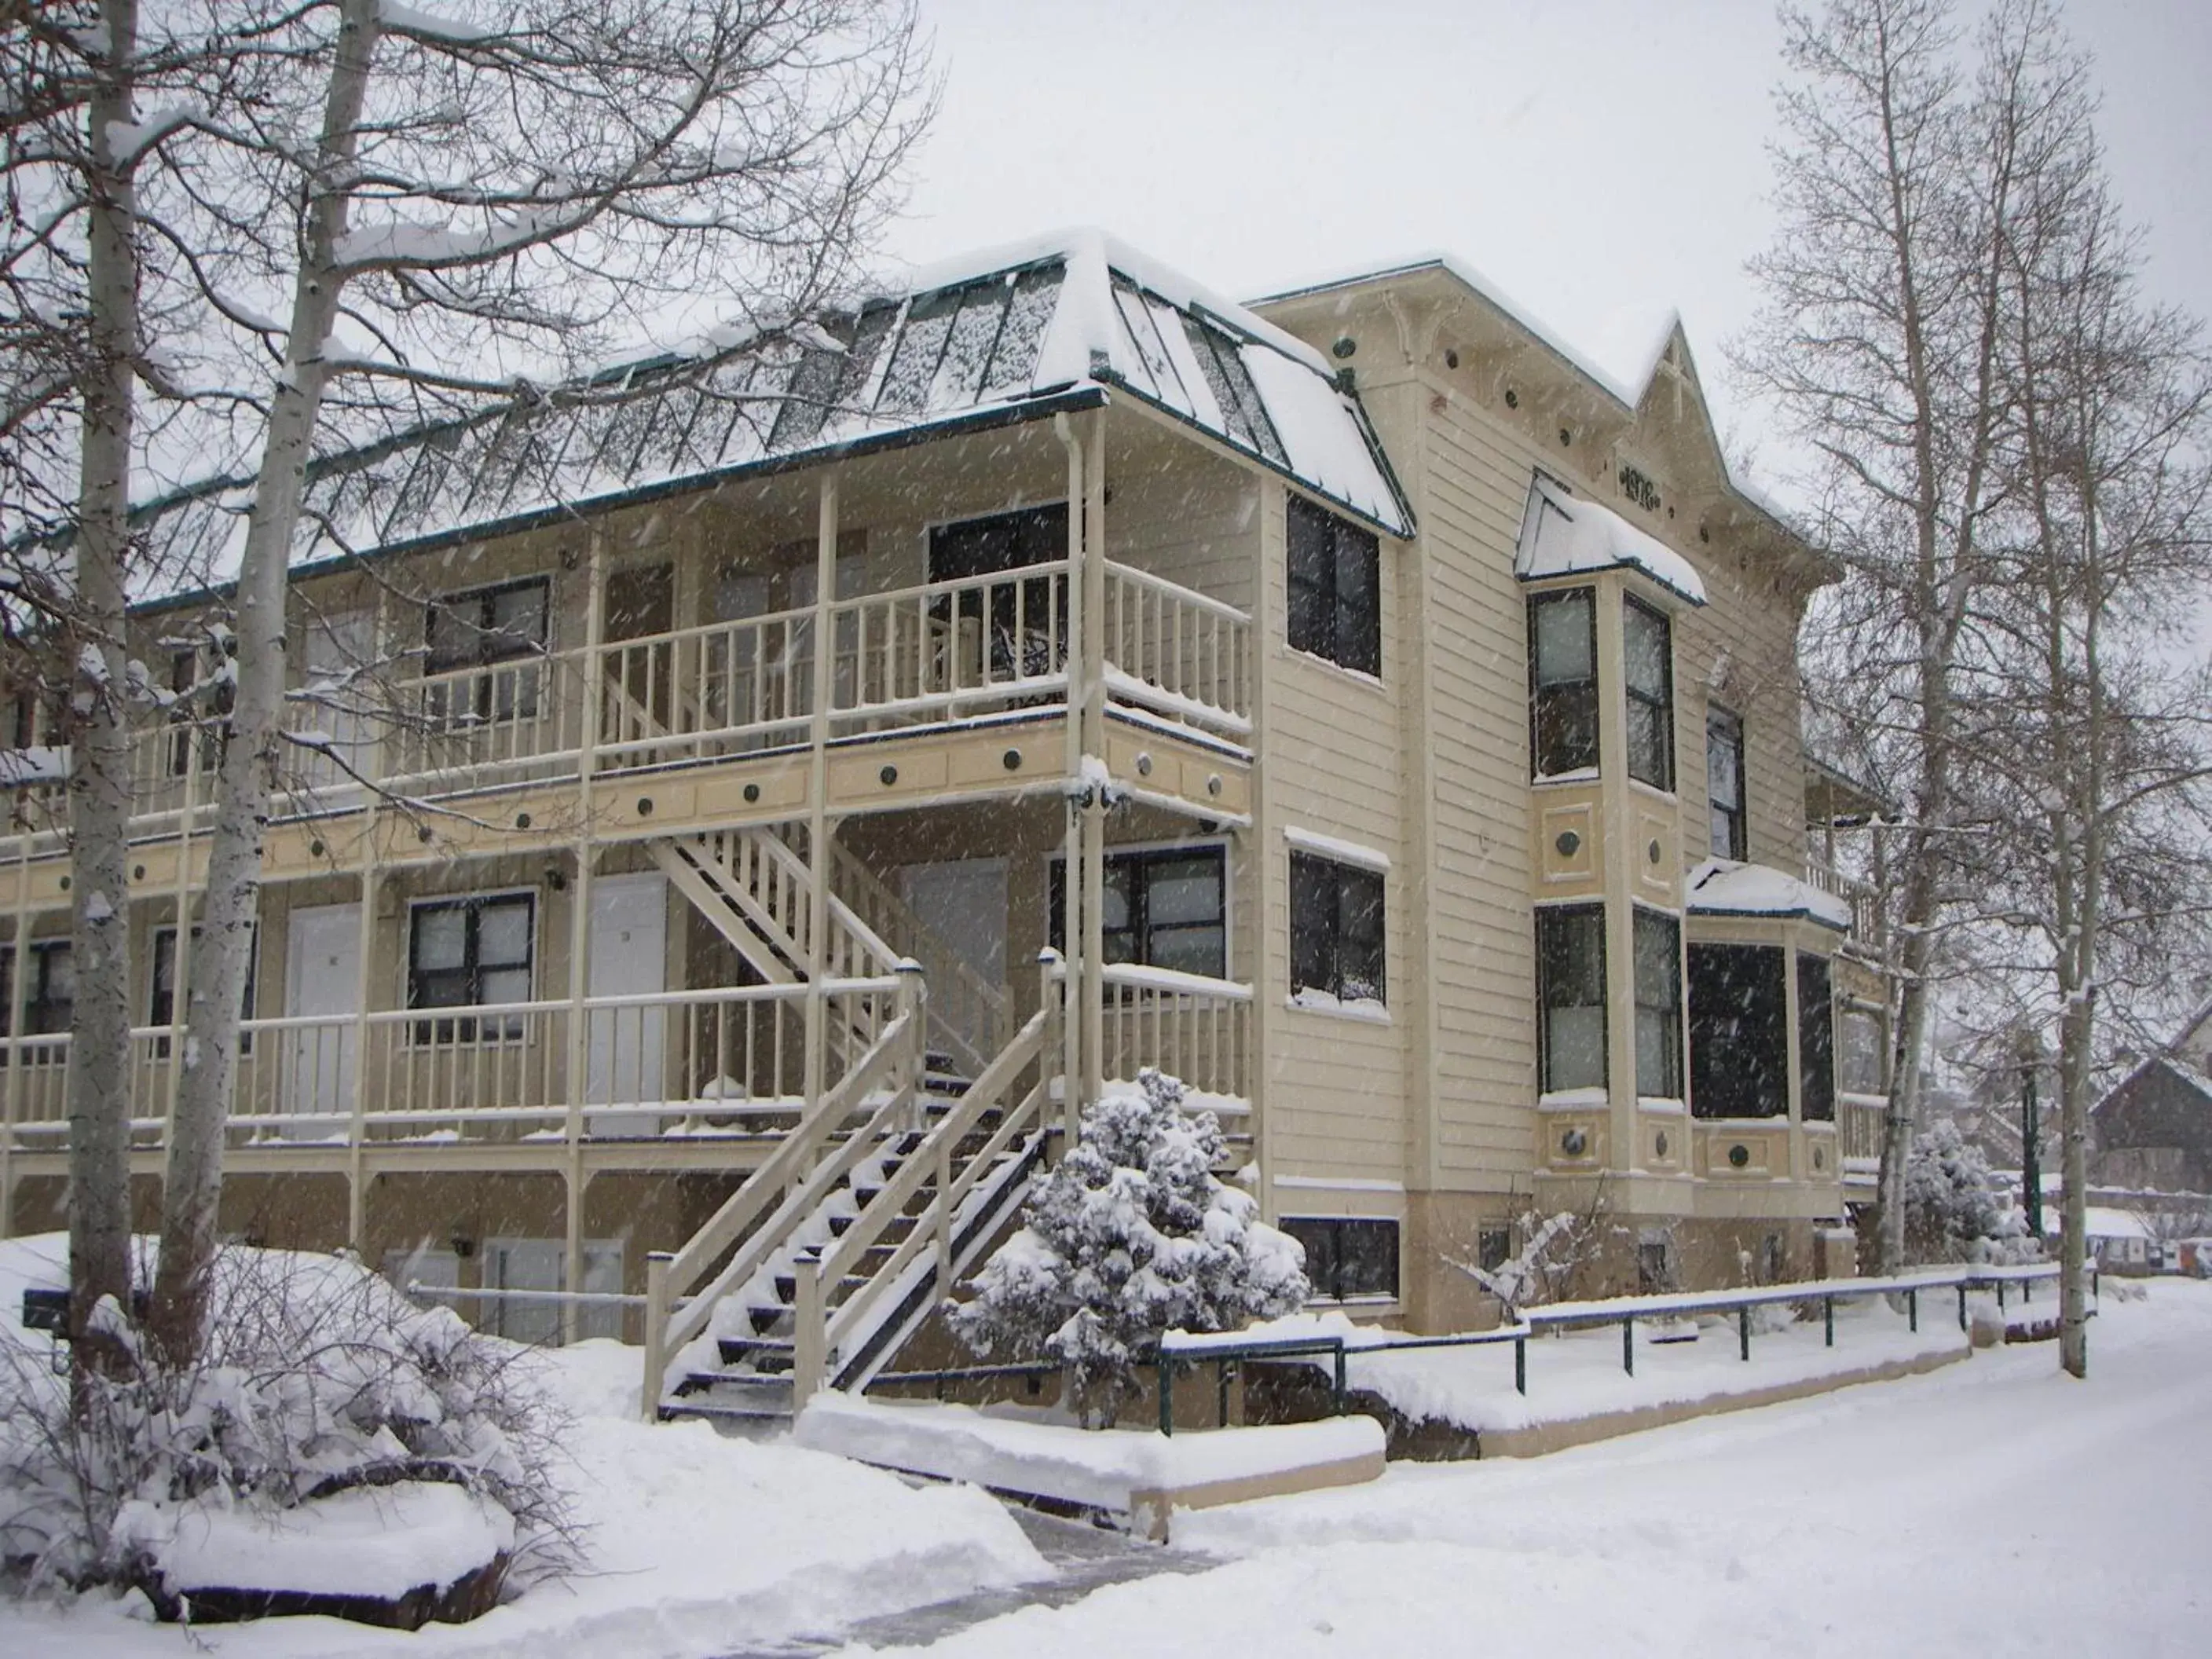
column 1661, row 1103
column 1311, row 1000
column 1361, row 674
column 1573, row 1100
column 1578, row 775
column 1329, row 846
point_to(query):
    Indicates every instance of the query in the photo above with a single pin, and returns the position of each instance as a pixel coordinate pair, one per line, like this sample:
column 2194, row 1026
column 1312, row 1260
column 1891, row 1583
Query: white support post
column 578, row 1048
column 817, row 790
column 1093, row 575
column 1072, row 909
column 809, row 1347
column 656, row 1334
column 364, row 999
column 11, row 1113
column 180, row 956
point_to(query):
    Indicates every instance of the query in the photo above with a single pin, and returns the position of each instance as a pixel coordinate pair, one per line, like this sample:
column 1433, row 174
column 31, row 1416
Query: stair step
column 738, row 1388
column 737, row 1349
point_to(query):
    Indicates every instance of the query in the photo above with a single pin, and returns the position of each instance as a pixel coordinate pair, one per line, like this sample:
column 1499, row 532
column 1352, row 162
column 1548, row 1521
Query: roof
column 1626, row 389
column 1012, row 334
column 1721, row 887
column 1562, row 534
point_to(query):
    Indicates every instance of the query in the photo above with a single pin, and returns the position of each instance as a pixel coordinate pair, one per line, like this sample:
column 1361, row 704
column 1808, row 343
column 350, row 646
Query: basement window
column 1335, row 572
column 471, row 952
column 1347, row 1260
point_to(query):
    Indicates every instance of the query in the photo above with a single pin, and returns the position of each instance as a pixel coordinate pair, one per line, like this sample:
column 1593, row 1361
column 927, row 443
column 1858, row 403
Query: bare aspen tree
column 494, row 189
column 1884, row 310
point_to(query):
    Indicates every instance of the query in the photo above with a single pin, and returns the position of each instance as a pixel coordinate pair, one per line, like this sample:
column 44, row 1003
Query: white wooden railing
column 1177, row 652
column 727, row 1060
column 1197, row 1029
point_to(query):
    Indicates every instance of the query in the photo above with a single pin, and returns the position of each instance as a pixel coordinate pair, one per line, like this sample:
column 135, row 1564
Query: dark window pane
column 1738, row 1053
column 1334, row 571
column 1571, row 996
column 1658, row 1006
column 1160, row 910
column 1650, row 680
column 1338, row 934
column 1347, row 1258
column 1816, row 1041
column 1725, row 783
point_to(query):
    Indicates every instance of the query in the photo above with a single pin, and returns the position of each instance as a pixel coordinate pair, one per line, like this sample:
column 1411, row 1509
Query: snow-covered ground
column 1992, row 1508
column 696, row 1545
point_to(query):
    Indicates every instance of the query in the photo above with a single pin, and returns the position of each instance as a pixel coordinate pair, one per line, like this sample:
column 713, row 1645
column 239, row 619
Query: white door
column 322, row 976
column 628, row 958
column 962, row 905
column 340, row 649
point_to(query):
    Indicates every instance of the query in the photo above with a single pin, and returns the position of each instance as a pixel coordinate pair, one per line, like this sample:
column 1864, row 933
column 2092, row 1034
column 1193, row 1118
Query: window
column 1336, row 929
column 1655, row 1273
column 1347, row 1259
column 1859, row 1051
column 49, row 989
column 1026, row 621
column 1658, row 1006
column 199, row 718
column 1816, row 1041
column 1739, row 1032
column 1563, row 665
column 481, row 629
column 1648, row 644
column 1571, row 996
column 1163, row 909
column 162, row 1002
column 1493, row 1248
column 470, row 953
column 1335, row 573
column 1724, row 785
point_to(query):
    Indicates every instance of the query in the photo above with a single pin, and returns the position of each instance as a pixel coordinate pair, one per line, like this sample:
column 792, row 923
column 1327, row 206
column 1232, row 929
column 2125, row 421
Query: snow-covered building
column 746, row 805
column 2152, row 1129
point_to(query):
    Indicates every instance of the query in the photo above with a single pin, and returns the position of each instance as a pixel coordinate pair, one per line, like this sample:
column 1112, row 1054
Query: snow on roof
column 1721, row 887
column 992, row 337
column 1562, row 534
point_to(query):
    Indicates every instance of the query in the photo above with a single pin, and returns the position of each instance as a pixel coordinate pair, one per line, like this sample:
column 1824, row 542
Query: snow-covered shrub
column 1130, row 1236
column 1951, row 1211
column 317, row 1378
column 1555, row 1249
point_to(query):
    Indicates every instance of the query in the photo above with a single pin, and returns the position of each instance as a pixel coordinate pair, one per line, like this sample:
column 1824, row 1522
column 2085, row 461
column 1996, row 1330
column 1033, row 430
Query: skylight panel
column 1244, row 417
column 913, row 367
column 968, row 348
column 1034, row 297
column 1148, row 370
column 807, row 395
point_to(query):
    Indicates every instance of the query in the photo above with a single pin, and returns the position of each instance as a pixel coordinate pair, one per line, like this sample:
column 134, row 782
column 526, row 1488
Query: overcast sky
column 1601, row 160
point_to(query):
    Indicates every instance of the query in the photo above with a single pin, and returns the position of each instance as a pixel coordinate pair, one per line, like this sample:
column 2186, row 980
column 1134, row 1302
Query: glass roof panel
column 1029, row 312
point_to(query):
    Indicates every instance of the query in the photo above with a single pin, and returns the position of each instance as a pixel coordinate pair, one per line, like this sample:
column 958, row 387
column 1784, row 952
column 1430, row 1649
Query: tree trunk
column 253, row 759
column 99, row 731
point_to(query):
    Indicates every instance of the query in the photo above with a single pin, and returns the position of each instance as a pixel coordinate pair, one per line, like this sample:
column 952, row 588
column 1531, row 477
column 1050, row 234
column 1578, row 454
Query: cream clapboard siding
column 1335, row 1091
column 1188, row 518
column 1740, row 651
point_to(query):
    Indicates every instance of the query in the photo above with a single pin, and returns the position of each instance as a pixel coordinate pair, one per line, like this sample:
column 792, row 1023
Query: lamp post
column 2031, row 1170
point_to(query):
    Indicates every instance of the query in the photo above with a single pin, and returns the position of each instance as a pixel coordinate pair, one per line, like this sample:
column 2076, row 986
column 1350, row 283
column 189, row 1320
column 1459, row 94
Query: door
column 628, row 958
column 962, row 906
column 322, row 977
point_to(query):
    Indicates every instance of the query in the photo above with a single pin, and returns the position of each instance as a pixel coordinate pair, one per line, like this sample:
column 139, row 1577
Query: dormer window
column 1563, row 689
column 1648, row 647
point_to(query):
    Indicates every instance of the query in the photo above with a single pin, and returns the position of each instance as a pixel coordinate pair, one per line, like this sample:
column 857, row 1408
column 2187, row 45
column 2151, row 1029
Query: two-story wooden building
column 743, row 811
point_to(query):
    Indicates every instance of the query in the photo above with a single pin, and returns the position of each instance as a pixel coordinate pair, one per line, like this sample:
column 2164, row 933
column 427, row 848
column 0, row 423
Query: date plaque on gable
column 1636, row 485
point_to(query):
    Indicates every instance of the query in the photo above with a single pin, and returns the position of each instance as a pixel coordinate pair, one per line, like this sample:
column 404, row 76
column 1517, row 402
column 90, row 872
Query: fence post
column 1221, row 1392
column 1828, row 1319
column 656, row 1332
column 1912, row 1308
column 1521, row 1366
column 2001, row 1305
column 1339, row 1385
column 809, row 1345
column 1628, row 1346
column 1743, row 1331
column 2028, row 1290
column 1962, row 1305
column 1165, row 1367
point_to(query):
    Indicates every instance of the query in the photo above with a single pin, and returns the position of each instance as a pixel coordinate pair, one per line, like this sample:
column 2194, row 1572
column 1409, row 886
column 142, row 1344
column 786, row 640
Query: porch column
column 577, row 1051
column 11, row 1111
column 1072, row 900
column 180, row 958
column 364, row 999
column 818, row 787
column 1093, row 641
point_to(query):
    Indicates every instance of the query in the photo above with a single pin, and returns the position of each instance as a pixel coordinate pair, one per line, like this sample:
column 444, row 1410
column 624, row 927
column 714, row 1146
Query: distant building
column 2154, row 1130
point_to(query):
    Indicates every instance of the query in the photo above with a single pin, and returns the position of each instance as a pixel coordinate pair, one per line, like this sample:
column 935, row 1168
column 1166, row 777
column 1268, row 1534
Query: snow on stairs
column 854, row 1277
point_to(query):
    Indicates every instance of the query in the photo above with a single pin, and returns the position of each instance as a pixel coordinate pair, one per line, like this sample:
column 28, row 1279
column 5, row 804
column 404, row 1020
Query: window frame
column 1669, row 1012
column 1140, row 926
column 453, row 1030
column 1727, row 727
column 486, row 647
column 1659, row 706
column 1325, row 614
column 43, row 952
column 1552, row 920
column 194, row 731
column 157, row 957
column 1324, row 881
column 1581, row 692
column 1323, row 1238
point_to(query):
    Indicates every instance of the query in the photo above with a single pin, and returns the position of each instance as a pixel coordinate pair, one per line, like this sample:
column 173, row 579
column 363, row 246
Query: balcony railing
column 937, row 652
column 1859, row 1120
column 1865, row 901
column 721, row 1061
column 1196, row 1028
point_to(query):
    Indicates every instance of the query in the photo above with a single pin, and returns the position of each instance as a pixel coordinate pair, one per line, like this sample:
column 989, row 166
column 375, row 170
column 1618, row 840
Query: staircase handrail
column 841, row 915
column 932, row 1228
column 670, row 1276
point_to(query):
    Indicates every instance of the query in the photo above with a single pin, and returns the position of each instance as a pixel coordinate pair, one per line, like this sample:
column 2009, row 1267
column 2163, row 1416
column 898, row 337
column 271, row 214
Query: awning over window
column 1565, row 535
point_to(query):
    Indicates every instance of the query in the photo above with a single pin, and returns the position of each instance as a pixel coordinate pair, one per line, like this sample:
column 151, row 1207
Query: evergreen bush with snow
column 1128, row 1236
column 1951, row 1212
column 317, row 1379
